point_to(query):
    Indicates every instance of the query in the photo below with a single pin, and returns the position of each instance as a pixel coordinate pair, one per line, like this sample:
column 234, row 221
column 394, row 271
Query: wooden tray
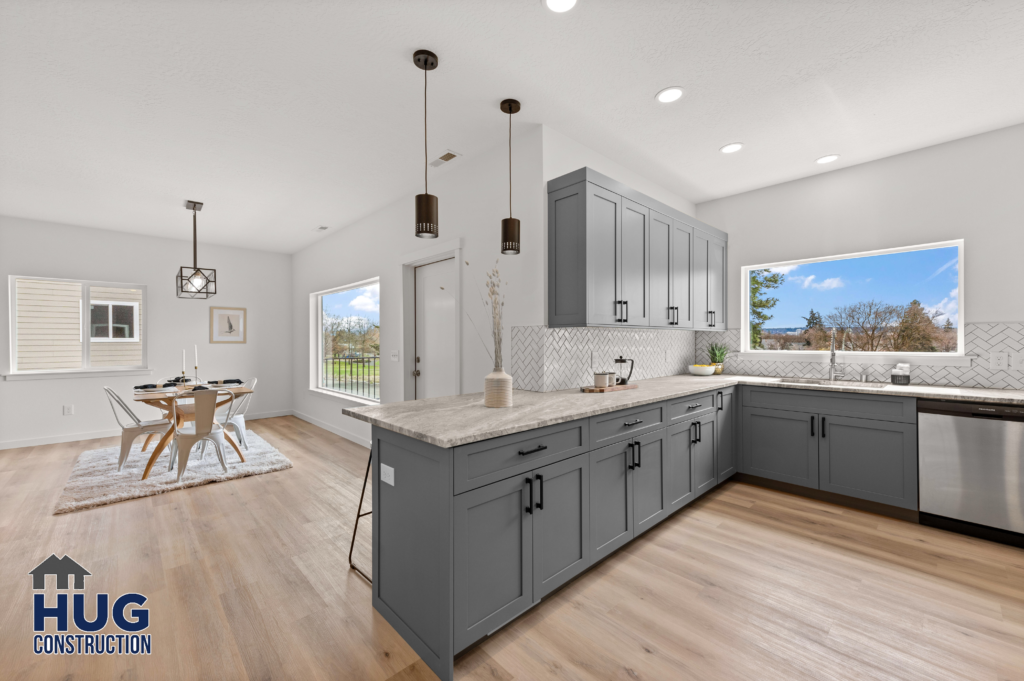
column 609, row 389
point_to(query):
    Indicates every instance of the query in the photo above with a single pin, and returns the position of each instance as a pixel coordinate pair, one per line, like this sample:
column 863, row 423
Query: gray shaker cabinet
column 561, row 523
column 726, row 459
column 603, row 229
column 493, row 538
column 650, row 481
column 705, row 447
column 709, row 282
column 671, row 305
column 611, row 499
column 781, row 445
column 679, row 441
column 634, row 266
column 869, row 459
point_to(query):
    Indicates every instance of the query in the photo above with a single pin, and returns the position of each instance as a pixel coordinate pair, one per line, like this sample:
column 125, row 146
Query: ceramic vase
column 498, row 389
column 718, row 368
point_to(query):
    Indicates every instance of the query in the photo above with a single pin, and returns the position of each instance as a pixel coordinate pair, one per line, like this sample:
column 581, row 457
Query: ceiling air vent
column 444, row 159
column 321, row 228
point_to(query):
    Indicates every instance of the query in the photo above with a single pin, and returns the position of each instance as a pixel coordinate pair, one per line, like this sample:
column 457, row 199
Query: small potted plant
column 716, row 354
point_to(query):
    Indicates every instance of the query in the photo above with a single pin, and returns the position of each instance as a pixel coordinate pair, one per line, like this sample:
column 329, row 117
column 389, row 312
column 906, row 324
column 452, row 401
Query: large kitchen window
column 346, row 323
column 904, row 301
column 68, row 326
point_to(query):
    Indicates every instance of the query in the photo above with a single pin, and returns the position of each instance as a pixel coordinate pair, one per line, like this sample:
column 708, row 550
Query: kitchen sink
column 825, row 381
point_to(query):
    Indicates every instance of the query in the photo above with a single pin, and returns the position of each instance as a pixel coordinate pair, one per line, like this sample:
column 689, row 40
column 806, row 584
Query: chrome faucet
column 833, row 369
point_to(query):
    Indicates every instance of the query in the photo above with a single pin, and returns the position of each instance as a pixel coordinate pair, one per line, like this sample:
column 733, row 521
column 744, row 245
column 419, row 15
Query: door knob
column 416, row 372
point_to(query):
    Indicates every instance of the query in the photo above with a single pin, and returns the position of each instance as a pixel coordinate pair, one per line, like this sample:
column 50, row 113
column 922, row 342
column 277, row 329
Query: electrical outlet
column 998, row 361
column 394, row 356
column 69, row 410
column 1017, row 361
column 387, row 474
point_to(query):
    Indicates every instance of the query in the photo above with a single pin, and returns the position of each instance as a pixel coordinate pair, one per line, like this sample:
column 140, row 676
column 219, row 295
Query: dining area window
column 65, row 326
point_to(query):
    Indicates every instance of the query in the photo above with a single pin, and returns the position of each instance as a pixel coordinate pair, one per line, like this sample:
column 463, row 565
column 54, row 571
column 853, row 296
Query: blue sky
column 928, row 276
column 357, row 302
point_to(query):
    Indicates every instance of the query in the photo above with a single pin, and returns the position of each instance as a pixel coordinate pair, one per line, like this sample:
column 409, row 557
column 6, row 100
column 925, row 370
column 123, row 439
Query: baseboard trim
column 330, row 427
column 58, row 439
column 830, row 497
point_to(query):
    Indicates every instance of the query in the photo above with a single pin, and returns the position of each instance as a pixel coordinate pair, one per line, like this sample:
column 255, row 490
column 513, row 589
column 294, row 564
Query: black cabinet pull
column 721, row 400
column 632, row 462
column 823, row 426
column 693, row 433
column 812, row 426
column 538, row 448
column 626, row 316
column 630, row 424
column 638, row 455
column 529, row 506
column 540, row 492
column 693, row 406
column 700, row 431
column 618, row 310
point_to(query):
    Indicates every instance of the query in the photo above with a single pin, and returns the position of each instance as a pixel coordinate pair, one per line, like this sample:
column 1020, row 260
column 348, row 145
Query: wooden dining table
column 165, row 402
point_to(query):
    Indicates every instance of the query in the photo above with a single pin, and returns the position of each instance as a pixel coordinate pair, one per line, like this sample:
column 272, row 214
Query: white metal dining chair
column 204, row 429
column 134, row 428
column 234, row 417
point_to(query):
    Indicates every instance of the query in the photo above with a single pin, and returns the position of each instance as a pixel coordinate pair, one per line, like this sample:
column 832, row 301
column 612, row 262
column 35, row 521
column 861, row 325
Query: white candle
column 197, row 360
column 183, row 361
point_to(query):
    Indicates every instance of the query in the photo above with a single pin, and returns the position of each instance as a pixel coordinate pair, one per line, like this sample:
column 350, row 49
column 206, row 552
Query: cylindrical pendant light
column 426, row 203
column 510, row 225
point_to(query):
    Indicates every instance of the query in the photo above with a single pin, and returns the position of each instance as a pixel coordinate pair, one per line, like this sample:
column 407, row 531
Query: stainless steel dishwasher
column 971, row 465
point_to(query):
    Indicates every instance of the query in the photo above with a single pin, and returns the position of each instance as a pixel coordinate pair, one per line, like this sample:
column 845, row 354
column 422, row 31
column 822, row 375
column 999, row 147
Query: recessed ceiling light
column 560, row 5
column 731, row 148
column 670, row 94
column 828, row 159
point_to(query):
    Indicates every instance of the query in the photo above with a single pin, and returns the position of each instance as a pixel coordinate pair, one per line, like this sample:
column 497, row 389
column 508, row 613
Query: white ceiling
column 284, row 115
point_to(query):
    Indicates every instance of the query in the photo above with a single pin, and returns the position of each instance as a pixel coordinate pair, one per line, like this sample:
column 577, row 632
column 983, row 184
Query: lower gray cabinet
column 561, row 523
column 493, row 538
column 781, row 445
column 611, row 499
column 869, row 459
column 650, row 481
column 705, row 470
column 725, row 460
column 679, row 450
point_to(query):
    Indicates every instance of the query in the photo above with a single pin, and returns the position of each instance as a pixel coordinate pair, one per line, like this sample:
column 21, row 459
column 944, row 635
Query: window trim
column 86, row 369
column 958, row 358
column 316, row 354
column 110, row 325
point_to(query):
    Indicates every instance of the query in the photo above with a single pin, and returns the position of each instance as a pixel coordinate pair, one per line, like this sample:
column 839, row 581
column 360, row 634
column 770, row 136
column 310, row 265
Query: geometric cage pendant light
column 426, row 203
column 510, row 225
column 195, row 281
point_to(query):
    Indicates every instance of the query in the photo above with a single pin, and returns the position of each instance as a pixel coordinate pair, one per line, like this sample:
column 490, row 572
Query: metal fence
column 358, row 376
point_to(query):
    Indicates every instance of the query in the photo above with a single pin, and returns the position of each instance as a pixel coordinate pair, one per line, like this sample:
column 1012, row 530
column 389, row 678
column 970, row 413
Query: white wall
column 971, row 189
column 30, row 411
column 473, row 199
column 562, row 155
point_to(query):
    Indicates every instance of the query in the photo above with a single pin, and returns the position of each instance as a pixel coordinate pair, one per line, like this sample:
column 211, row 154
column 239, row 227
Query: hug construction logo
column 88, row 641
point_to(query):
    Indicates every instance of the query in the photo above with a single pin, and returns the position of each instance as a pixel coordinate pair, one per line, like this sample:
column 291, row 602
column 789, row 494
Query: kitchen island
column 478, row 513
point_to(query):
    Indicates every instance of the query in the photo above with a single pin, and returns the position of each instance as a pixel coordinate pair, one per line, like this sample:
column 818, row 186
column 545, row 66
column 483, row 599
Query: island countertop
column 462, row 419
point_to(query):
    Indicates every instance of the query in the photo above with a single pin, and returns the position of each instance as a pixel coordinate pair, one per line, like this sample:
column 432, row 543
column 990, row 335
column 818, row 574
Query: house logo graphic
column 70, row 576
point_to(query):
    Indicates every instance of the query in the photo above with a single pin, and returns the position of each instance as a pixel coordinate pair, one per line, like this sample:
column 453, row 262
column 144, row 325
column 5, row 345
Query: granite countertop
column 462, row 419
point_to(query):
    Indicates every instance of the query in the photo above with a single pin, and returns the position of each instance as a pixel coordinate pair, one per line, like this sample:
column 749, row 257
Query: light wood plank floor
column 248, row 579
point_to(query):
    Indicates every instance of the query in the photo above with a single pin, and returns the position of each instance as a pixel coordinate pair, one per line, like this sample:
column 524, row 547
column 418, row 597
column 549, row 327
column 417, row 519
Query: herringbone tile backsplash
column 546, row 359
column 980, row 339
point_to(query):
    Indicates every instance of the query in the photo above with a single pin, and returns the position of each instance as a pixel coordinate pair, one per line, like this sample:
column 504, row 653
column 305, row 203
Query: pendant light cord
column 195, row 248
column 425, row 188
column 510, row 163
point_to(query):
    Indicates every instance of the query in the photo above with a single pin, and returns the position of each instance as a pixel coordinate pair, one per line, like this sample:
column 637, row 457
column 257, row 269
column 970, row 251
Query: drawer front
column 856, row 405
column 685, row 408
column 622, row 425
column 482, row 463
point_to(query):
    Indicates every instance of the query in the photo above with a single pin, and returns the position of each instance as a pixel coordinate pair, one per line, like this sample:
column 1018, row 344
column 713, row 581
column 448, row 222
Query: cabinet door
column 705, row 470
column 682, row 300
column 701, row 309
column 716, row 283
column 868, row 459
column 567, row 257
column 725, row 460
column 561, row 523
column 679, row 441
column 662, row 271
column 634, row 289
column 493, row 557
column 604, row 216
column 781, row 445
column 611, row 499
column 650, row 481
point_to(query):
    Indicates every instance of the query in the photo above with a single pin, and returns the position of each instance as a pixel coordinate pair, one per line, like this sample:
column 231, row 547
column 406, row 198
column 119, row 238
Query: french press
column 620, row 380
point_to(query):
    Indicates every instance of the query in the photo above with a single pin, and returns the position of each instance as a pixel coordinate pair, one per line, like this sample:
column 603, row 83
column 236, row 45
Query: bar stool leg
column 359, row 515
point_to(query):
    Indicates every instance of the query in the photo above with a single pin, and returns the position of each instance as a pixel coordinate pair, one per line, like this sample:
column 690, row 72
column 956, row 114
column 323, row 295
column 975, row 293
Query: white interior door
column 437, row 327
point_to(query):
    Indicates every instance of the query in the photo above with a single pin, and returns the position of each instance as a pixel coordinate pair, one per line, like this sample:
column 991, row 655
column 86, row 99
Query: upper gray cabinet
column 619, row 258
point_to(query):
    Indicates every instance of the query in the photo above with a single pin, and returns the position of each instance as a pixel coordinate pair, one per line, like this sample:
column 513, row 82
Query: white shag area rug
column 94, row 481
